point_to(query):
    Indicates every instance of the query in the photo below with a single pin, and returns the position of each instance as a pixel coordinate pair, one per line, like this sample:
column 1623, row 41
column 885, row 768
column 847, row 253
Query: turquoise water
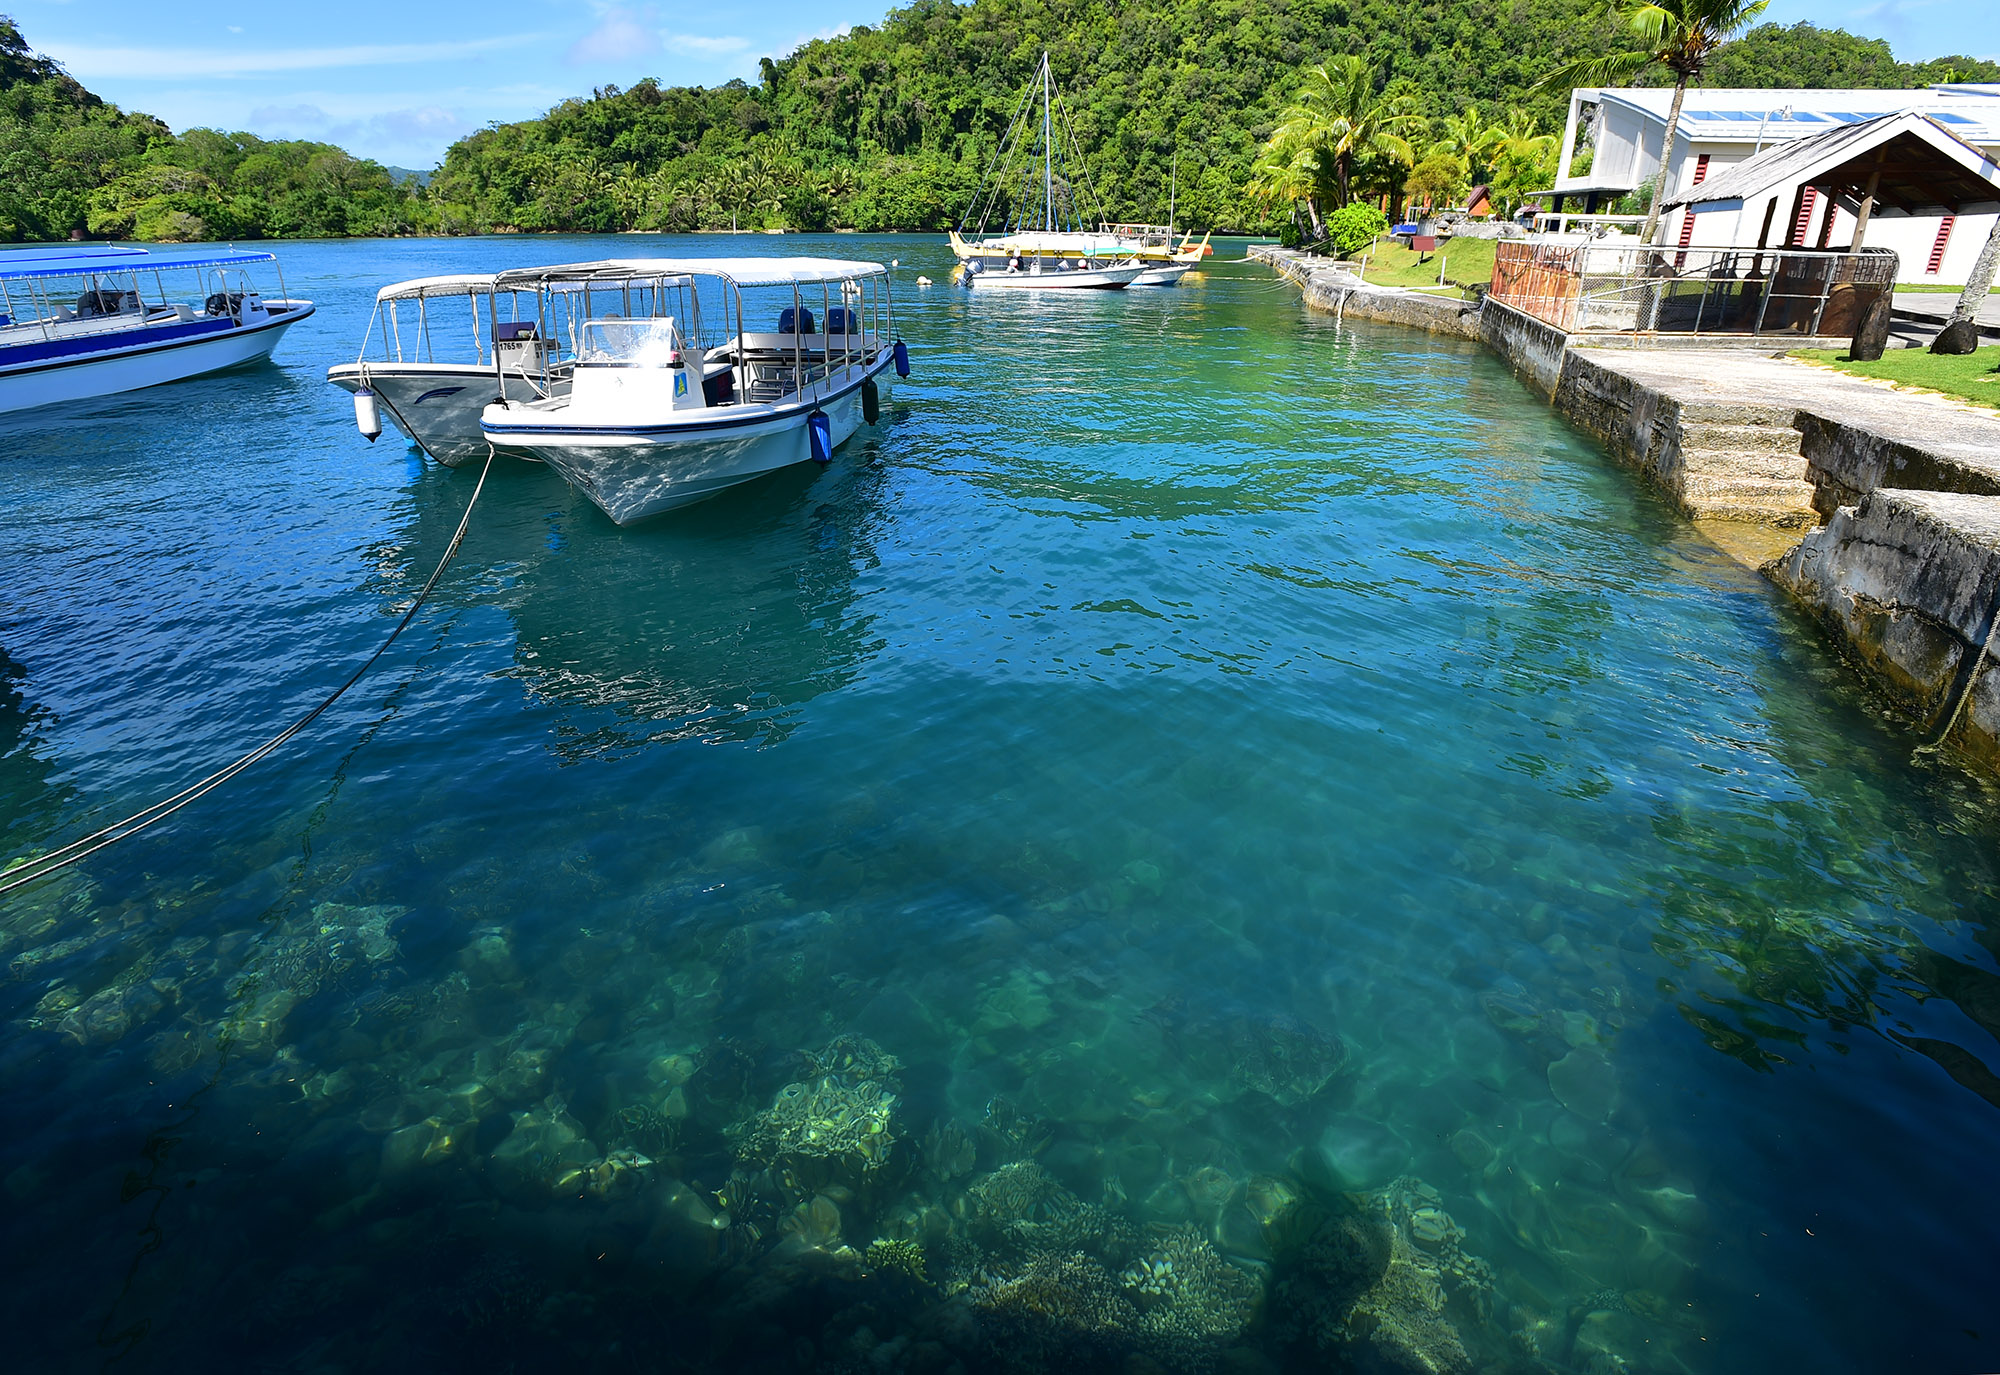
column 1209, row 840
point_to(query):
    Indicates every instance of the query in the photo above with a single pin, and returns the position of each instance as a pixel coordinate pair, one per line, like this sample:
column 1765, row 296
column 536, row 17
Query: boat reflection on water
column 718, row 629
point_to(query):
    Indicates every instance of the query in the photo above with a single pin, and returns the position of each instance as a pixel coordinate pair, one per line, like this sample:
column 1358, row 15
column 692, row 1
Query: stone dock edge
column 1896, row 497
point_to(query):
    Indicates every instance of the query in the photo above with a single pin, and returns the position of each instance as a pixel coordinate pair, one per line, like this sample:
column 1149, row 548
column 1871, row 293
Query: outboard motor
column 367, row 415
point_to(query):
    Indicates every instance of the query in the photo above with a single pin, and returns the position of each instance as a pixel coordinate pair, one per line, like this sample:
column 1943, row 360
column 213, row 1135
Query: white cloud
column 415, row 136
column 840, row 31
column 708, row 47
column 620, row 34
column 88, row 63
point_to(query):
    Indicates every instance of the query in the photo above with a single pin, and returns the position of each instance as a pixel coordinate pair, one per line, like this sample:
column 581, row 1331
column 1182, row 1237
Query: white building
column 1719, row 128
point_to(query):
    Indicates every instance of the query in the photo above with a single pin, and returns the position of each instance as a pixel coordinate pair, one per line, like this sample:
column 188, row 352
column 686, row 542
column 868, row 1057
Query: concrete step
column 1763, row 414
column 1764, row 463
column 1773, row 439
column 1772, row 502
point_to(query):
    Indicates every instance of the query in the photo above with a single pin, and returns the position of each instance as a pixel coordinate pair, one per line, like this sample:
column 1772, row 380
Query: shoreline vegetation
column 889, row 127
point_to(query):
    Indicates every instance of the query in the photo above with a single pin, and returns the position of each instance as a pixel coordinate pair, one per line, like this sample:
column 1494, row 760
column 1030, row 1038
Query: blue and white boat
column 91, row 320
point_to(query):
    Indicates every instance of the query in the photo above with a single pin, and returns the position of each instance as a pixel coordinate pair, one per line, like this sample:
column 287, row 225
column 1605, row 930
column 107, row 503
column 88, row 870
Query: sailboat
column 1045, row 239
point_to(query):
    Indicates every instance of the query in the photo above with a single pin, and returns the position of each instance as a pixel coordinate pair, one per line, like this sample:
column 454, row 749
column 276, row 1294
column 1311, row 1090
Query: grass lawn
column 1466, row 261
column 1970, row 376
column 1925, row 286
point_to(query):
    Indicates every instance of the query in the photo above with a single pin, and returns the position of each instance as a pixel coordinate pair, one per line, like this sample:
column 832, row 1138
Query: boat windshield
column 631, row 343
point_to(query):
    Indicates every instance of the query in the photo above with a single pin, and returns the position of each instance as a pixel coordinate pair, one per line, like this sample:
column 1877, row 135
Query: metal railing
column 1600, row 287
column 1566, row 222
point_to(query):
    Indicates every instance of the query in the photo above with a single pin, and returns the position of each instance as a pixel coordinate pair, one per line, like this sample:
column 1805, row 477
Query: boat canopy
column 740, row 271
column 1057, row 241
column 429, row 288
column 98, row 259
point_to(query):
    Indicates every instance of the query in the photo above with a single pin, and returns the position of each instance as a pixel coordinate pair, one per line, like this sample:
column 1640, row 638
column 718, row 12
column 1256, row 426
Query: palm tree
column 1337, row 117
column 1518, row 137
column 632, row 195
column 1680, row 35
column 1281, row 174
column 1465, row 138
column 1961, row 333
column 1521, row 159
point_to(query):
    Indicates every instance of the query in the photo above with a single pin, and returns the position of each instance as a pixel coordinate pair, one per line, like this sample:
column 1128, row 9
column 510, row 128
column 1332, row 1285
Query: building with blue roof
column 1623, row 129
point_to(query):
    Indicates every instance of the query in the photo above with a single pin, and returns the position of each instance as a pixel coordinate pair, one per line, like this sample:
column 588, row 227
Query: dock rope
column 1965, row 695
column 42, row 866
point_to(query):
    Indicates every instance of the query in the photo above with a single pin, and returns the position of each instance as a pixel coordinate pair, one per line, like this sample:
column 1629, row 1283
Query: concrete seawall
column 1910, row 582
column 1905, row 571
column 1337, row 291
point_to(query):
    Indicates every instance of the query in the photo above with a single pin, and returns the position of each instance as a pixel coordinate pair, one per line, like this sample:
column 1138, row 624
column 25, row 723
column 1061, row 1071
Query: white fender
column 367, row 415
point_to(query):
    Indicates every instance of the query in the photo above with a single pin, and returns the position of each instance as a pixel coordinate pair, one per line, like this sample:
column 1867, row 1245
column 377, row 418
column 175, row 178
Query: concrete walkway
column 1937, row 305
column 1917, row 316
column 1962, row 436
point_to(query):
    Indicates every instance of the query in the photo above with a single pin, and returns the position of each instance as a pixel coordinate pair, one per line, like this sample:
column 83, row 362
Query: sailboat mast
column 1173, row 188
column 1048, row 153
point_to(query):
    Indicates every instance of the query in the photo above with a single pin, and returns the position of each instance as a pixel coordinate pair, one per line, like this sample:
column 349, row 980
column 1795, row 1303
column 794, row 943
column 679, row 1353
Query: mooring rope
column 41, row 866
column 1971, row 681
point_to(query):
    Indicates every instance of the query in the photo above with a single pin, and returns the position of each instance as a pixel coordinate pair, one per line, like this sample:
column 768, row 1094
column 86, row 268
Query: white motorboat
column 448, row 347
column 93, row 320
column 666, row 410
column 1052, row 273
column 437, row 403
column 1162, row 274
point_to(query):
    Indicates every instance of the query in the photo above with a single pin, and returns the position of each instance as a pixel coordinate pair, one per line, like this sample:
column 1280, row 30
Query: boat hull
column 436, row 406
column 635, row 471
column 1099, row 279
column 141, row 364
column 1170, row 275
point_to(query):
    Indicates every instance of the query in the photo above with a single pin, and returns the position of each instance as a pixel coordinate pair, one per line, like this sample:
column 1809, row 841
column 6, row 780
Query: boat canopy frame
column 870, row 284
column 115, row 268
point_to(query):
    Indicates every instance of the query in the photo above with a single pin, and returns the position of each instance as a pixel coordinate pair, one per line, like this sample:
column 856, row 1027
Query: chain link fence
column 1601, row 287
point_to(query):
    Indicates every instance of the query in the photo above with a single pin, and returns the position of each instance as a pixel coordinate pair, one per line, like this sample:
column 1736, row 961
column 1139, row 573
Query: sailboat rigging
column 1050, row 228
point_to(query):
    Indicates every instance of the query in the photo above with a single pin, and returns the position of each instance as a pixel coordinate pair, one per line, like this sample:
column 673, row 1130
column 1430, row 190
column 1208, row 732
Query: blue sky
column 399, row 82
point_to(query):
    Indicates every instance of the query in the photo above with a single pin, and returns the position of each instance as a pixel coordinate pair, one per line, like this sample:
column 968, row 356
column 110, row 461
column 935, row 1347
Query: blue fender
column 819, row 429
column 902, row 359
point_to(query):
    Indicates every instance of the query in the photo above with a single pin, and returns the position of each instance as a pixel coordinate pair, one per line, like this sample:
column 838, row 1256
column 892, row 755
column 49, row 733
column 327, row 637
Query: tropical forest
column 893, row 126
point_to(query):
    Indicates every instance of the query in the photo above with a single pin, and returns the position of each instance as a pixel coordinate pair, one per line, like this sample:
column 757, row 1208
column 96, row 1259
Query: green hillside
column 892, row 127
column 886, row 127
column 72, row 164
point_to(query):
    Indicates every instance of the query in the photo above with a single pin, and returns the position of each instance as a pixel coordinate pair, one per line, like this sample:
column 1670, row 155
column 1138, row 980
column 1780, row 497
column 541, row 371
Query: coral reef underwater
column 533, row 1150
